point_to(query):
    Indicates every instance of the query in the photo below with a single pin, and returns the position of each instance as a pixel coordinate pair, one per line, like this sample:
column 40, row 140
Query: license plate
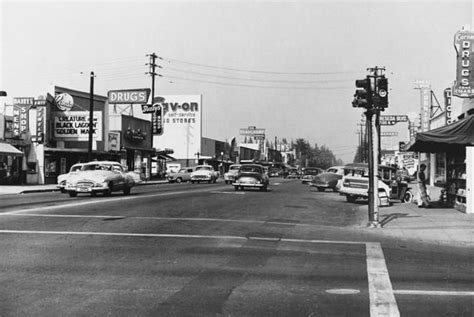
column 83, row 189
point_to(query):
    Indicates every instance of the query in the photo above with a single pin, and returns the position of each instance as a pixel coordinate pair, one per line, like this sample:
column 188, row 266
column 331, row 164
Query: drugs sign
column 129, row 96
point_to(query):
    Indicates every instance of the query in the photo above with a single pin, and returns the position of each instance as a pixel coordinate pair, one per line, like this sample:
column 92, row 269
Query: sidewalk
column 24, row 189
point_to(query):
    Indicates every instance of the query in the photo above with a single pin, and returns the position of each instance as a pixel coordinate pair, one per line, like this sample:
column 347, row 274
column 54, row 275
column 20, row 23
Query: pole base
column 374, row 224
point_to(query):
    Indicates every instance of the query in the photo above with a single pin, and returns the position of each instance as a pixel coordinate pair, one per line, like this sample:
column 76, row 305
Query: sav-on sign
column 129, row 96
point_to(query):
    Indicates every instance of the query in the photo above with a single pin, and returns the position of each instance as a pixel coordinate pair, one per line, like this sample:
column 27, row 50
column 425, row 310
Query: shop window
column 440, row 170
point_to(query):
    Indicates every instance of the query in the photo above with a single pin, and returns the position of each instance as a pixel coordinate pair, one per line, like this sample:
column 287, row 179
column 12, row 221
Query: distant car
column 100, row 177
column 229, row 176
column 252, row 176
column 328, row 179
column 62, row 178
column 355, row 183
column 293, row 173
column 204, row 173
column 275, row 172
column 309, row 173
column 183, row 175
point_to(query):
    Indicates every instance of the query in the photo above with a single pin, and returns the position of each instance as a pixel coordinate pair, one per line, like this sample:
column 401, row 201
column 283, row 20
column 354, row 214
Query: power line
column 254, row 86
column 254, row 79
column 169, row 60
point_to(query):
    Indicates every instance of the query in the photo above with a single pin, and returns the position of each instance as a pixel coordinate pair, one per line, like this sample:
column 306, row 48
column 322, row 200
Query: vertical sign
column 40, row 124
column 157, row 120
column 21, row 107
column 464, row 84
column 425, row 107
column 448, row 107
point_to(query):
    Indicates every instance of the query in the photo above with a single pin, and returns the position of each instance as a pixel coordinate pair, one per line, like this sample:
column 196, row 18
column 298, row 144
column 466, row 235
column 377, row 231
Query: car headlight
column 346, row 183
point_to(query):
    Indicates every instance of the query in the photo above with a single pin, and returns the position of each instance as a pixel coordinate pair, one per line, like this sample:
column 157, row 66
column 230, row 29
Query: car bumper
column 201, row 178
column 353, row 192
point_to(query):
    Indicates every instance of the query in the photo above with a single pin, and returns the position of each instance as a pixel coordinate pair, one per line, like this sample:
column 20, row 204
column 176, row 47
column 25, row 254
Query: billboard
column 182, row 125
column 464, row 84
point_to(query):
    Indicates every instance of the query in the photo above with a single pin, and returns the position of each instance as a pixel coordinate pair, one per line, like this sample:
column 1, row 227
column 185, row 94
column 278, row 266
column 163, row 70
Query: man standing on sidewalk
column 423, row 201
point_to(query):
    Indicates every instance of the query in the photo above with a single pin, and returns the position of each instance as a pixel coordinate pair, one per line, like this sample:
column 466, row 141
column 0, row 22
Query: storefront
column 452, row 149
column 10, row 164
column 66, row 132
column 131, row 140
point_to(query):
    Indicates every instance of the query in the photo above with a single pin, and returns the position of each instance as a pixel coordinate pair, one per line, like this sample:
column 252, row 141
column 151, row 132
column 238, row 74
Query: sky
column 286, row 66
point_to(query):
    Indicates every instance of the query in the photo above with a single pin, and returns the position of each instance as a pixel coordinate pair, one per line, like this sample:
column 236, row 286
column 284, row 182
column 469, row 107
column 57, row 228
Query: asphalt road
column 207, row 250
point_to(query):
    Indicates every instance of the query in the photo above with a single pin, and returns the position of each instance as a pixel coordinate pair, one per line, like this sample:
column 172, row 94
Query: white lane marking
column 433, row 293
column 99, row 201
column 230, row 193
column 343, row 291
column 382, row 299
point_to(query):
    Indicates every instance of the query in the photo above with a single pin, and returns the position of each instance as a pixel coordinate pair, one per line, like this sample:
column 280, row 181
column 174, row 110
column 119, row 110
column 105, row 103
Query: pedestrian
column 423, row 201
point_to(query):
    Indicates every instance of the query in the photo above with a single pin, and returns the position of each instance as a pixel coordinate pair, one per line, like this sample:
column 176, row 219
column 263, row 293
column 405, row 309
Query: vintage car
column 204, row 173
column 293, row 173
column 229, row 176
column 252, row 176
column 62, row 178
column 309, row 173
column 355, row 182
column 328, row 179
column 100, row 177
column 183, row 175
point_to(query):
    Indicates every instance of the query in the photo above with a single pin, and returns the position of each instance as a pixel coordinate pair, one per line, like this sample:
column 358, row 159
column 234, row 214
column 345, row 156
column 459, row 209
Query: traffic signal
column 381, row 92
column 363, row 93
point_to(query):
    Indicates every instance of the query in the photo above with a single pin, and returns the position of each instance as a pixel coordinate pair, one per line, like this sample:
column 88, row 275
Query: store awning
column 447, row 138
column 163, row 157
column 8, row 149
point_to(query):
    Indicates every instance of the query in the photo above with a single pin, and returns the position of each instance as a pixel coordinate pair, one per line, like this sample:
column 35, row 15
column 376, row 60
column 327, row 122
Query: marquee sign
column 75, row 125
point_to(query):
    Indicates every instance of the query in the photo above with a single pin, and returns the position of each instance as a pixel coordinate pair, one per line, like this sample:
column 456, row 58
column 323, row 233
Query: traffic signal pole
column 372, row 94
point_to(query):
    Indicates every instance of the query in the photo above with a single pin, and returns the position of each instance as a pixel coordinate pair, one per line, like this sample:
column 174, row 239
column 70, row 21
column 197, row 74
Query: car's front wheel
column 179, row 180
column 127, row 190
column 321, row 189
column 72, row 194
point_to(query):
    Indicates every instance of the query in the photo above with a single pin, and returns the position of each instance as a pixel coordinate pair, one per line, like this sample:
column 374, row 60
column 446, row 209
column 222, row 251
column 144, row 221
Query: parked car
column 229, row 176
column 309, row 173
column 183, row 175
column 355, row 182
column 204, row 173
column 62, row 178
column 251, row 175
column 328, row 179
column 100, row 177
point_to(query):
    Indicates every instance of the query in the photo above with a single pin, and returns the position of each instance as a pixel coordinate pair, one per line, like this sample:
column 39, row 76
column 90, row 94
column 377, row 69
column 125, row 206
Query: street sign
column 129, row 96
column 392, row 119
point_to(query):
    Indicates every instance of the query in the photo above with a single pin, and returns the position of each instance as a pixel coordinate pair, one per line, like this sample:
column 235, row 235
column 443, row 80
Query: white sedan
column 100, row 177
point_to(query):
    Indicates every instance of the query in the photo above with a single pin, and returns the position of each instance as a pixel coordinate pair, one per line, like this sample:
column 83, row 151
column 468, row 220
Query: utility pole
column 91, row 116
column 152, row 73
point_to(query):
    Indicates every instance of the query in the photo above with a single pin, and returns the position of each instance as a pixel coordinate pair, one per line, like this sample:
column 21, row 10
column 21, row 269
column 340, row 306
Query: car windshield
column 203, row 168
column 93, row 167
column 183, row 170
column 332, row 170
column 76, row 168
column 251, row 169
column 357, row 172
column 311, row 172
column 234, row 168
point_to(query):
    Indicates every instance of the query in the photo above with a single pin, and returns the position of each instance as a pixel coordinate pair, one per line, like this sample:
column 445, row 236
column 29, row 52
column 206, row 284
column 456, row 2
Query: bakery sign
column 464, row 84
column 74, row 125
